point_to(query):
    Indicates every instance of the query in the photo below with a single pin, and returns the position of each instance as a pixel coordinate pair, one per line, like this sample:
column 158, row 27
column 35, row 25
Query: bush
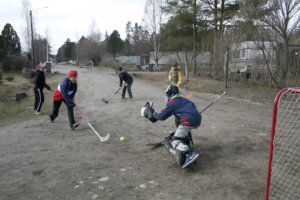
column 14, row 63
column 9, row 78
column 21, row 62
column 6, row 65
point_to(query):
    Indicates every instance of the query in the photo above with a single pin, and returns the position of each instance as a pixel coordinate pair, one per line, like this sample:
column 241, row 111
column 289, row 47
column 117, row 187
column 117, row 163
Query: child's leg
column 36, row 99
column 129, row 88
column 124, row 91
column 55, row 109
column 40, row 101
column 181, row 132
column 70, row 114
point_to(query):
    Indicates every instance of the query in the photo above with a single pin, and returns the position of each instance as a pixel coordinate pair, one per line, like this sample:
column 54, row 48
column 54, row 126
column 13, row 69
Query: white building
column 248, row 56
column 167, row 58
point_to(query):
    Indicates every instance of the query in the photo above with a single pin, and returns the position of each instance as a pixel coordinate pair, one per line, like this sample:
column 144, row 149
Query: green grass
column 255, row 93
column 12, row 111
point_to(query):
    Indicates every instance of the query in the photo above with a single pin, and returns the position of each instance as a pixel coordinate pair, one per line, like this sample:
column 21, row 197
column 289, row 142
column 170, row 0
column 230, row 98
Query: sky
column 72, row 19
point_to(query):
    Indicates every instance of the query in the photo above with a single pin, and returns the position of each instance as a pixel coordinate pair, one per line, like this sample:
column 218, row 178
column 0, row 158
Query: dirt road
column 43, row 160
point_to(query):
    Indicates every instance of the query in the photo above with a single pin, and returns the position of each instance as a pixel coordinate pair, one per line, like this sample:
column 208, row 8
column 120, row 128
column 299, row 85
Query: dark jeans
column 128, row 87
column 39, row 99
column 56, row 106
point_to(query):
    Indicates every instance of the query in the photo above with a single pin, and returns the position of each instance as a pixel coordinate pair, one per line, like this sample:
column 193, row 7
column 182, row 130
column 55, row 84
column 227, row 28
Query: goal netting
column 283, row 181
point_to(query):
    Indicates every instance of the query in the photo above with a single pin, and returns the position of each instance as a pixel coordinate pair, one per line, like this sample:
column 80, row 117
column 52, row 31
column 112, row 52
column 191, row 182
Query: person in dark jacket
column 124, row 76
column 178, row 143
column 65, row 92
column 39, row 85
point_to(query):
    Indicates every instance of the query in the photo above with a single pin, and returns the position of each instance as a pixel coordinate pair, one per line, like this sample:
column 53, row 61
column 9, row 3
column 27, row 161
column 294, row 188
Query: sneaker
column 123, row 97
column 37, row 113
column 130, row 97
column 73, row 126
column 189, row 158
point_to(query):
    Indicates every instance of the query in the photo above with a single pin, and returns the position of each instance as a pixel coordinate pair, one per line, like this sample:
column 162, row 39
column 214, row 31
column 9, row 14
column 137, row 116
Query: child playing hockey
column 39, row 85
column 178, row 144
column 65, row 92
column 124, row 76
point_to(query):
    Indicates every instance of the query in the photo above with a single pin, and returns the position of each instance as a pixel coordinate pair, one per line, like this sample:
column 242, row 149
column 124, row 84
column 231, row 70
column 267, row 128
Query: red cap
column 72, row 73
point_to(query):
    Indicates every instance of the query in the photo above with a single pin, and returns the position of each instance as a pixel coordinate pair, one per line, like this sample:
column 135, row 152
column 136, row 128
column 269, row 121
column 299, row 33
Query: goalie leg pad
column 182, row 138
column 177, row 154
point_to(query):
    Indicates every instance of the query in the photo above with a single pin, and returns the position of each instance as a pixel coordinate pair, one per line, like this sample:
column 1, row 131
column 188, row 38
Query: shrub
column 20, row 62
column 9, row 78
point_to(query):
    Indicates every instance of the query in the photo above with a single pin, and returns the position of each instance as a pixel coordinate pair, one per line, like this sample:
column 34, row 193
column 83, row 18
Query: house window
column 243, row 52
column 237, row 54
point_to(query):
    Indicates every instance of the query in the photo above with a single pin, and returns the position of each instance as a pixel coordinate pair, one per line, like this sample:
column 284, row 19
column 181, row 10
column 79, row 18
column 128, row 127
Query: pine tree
column 115, row 43
column 10, row 41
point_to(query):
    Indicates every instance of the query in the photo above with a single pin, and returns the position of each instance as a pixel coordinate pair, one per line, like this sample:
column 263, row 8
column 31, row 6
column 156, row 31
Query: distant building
column 128, row 60
column 168, row 57
column 248, row 57
column 107, row 60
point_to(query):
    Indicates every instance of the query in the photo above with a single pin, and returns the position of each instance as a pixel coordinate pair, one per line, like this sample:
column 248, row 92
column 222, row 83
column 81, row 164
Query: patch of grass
column 241, row 90
column 9, row 78
column 12, row 111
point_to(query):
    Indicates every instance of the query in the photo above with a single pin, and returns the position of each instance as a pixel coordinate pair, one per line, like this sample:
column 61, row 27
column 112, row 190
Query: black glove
column 153, row 120
column 150, row 114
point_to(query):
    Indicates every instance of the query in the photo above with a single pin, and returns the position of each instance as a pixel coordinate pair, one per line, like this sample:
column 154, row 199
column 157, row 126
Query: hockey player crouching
column 178, row 144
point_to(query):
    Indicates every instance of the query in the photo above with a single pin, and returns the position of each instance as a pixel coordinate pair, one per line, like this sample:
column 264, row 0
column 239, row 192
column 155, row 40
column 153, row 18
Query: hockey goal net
column 283, row 180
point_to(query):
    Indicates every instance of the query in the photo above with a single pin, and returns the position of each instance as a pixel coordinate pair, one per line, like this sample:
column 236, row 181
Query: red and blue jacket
column 65, row 91
column 184, row 109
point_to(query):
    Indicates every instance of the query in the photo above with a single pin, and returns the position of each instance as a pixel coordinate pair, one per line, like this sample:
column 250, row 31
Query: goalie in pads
column 179, row 143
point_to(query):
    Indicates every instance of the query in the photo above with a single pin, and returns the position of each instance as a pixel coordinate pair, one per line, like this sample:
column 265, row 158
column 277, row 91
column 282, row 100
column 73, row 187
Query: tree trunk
column 195, row 36
column 186, row 66
column 215, row 38
column 226, row 68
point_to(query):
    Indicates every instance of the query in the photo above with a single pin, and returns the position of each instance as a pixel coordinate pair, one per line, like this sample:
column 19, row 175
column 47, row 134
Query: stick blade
column 105, row 138
column 189, row 95
column 105, row 101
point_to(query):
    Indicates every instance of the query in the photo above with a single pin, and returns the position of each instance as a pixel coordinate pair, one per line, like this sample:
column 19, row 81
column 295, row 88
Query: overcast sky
column 72, row 19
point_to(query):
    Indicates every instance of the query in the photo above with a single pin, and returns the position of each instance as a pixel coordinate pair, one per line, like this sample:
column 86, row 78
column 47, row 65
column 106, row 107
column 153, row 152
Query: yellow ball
column 122, row 139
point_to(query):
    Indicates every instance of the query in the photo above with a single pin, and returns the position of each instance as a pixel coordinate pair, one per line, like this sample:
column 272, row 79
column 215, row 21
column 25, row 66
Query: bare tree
column 153, row 18
column 94, row 33
column 221, row 11
column 282, row 17
column 89, row 47
column 48, row 48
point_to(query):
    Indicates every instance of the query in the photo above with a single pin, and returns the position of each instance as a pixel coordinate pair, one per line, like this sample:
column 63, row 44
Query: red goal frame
column 275, row 107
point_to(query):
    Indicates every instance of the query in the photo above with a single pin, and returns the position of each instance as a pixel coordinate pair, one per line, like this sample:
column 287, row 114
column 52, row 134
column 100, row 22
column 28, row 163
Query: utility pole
column 47, row 57
column 32, row 42
column 32, row 46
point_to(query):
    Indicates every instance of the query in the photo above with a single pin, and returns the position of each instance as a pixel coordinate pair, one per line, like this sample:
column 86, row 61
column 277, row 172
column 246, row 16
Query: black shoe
column 123, row 97
column 51, row 119
column 130, row 97
column 73, row 126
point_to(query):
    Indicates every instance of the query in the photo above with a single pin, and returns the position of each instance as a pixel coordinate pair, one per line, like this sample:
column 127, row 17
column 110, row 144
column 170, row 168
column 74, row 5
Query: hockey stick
column 214, row 101
column 102, row 139
column 115, row 92
column 183, row 92
column 187, row 95
column 155, row 145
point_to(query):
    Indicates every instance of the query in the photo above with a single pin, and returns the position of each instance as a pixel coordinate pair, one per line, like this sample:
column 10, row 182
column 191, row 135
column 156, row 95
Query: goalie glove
column 148, row 112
